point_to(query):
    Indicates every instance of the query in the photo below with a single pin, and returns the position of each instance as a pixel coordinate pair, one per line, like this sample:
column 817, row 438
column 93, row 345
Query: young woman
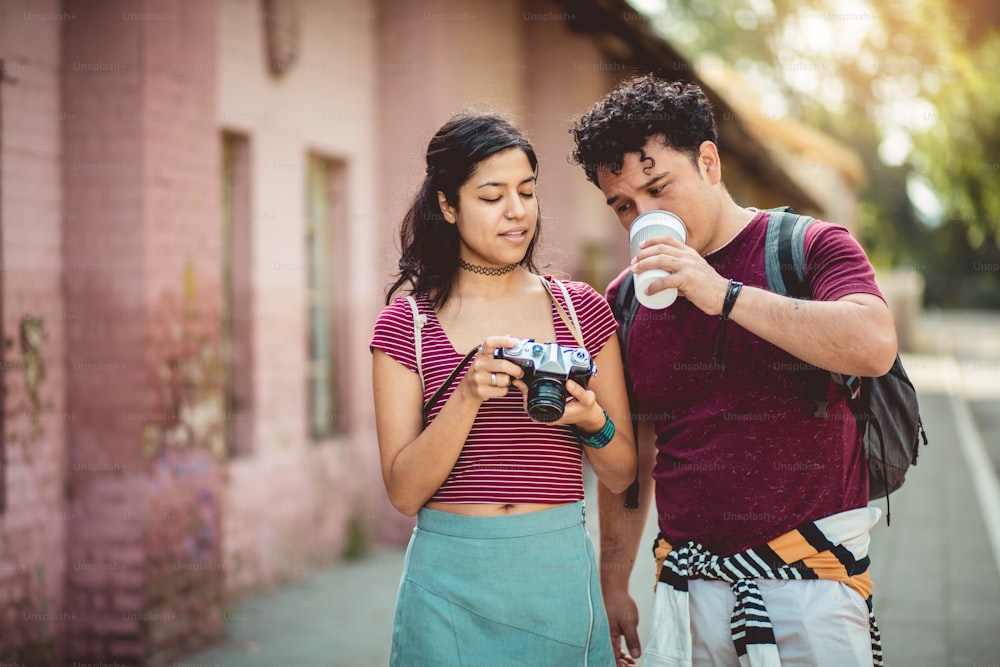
column 500, row 569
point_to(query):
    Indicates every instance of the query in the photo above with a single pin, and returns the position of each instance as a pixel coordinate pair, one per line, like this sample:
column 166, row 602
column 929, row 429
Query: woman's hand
column 615, row 463
column 582, row 409
column 488, row 377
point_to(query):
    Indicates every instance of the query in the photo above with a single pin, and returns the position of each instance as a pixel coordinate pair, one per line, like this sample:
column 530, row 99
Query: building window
column 237, row 315
column 326, row 257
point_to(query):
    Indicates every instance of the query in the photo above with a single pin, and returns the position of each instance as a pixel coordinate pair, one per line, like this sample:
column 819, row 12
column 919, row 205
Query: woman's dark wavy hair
column 428, row 242
column 639, row 108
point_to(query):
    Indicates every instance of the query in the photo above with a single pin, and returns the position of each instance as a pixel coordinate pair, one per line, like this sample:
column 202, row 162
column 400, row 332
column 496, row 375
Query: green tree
column 911, row 86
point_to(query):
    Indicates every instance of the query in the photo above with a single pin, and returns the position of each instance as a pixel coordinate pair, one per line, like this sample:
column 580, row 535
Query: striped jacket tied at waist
column 833, row 548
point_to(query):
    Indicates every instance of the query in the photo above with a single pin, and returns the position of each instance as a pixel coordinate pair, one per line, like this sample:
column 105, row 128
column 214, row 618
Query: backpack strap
column 572, row 322
column 785, row 265
column 785, row 252
column 419, row 322
column 624, row 309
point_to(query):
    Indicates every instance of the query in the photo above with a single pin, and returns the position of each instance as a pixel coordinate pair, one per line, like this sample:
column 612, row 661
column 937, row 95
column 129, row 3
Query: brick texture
column 125, row 527
column 34, row 319
column 142, row 269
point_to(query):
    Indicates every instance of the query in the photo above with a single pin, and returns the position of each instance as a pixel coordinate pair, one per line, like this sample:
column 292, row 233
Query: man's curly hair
column 636, row 110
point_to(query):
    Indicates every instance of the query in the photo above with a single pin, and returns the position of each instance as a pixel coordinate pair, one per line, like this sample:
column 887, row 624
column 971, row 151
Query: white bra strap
column 419, row 322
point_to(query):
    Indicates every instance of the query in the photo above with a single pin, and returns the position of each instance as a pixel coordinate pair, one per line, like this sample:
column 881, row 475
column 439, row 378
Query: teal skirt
column 520, row 590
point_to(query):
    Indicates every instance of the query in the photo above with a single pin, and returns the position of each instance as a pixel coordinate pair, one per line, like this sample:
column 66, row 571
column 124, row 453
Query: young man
column 761, row 498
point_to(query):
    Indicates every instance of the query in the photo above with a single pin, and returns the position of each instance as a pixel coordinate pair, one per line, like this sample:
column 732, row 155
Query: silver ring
column 493, row 379
column 507, row 215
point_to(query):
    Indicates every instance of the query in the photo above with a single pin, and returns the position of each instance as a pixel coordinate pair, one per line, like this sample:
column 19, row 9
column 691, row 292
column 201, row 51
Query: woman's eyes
column 526, row 195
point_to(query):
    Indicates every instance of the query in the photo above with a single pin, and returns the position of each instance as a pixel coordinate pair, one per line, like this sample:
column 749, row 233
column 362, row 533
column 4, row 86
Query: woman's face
column 502, row 183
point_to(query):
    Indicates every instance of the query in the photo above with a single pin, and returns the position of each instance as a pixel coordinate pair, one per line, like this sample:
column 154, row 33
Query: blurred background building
column 198, row 206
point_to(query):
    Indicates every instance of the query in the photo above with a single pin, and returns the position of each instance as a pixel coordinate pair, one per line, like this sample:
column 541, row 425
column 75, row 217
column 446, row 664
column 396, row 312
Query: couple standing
column 762, row 553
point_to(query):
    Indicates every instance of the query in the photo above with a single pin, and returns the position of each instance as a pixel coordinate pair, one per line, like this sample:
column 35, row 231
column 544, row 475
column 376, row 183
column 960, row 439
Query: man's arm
column 853, row 335
column 621, row 532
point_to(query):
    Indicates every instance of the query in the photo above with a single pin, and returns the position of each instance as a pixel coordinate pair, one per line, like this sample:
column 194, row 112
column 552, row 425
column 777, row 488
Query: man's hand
column 621, row 531
column 623, row 617
column 690, row 273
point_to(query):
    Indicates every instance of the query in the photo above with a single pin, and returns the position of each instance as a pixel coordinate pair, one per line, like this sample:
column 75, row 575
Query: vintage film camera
column 547, row 366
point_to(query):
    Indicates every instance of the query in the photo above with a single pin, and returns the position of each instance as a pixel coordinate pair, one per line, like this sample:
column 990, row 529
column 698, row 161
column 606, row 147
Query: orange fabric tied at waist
column 834, row 548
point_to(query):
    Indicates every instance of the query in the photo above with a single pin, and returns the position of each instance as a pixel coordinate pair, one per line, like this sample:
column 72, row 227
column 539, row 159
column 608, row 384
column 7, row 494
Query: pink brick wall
column 112, row 122
column 291, row 500
column 142, row 267
column 182, row 223
column 103, row 257
column 36, row 416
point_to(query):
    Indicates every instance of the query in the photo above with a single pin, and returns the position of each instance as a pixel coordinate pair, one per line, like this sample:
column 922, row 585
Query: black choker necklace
column 488, row 270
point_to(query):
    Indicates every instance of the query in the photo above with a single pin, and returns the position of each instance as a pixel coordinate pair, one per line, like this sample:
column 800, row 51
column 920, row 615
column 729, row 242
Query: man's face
column 667, row 180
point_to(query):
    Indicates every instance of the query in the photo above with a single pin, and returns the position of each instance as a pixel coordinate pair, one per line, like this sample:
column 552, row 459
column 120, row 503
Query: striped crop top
column 508, row 457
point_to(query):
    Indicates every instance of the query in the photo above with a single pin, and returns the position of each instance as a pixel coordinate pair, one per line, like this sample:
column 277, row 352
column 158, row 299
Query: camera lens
column 546, row 399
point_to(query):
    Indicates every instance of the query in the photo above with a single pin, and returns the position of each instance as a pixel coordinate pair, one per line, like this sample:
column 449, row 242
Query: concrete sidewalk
column 937, row 584
column 341, row 616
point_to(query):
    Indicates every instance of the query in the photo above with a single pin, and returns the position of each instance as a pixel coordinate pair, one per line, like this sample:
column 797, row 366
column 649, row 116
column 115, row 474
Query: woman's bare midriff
column 491, row 509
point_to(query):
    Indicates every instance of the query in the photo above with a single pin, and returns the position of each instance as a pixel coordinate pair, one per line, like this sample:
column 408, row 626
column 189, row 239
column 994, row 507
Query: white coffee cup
column 653, row 224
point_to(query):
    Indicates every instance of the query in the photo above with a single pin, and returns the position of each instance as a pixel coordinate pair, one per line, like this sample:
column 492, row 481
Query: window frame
column 325, row 261
column 237, row 322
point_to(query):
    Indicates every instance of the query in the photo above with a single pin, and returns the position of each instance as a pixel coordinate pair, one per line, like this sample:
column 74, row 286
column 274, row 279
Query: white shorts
column 816, row 623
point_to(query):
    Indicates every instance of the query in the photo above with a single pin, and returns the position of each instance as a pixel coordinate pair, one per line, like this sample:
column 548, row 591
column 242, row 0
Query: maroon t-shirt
column 741, row 458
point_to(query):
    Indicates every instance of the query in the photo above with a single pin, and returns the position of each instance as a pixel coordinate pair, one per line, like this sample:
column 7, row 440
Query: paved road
column 936, row 573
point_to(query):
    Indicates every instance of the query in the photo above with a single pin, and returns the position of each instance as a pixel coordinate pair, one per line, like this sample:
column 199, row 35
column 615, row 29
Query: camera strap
column 447, row 383
column 420, row 320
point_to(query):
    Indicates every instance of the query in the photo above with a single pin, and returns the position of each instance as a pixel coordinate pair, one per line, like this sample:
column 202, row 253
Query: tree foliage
column 911, row 86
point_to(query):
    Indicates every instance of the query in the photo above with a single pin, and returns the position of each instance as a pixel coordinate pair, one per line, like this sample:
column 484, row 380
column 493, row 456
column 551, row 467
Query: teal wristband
column 602, row 437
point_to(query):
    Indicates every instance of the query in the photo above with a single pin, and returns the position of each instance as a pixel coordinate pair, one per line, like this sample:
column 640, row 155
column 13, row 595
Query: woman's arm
column 415, row 460
column 614, row 464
